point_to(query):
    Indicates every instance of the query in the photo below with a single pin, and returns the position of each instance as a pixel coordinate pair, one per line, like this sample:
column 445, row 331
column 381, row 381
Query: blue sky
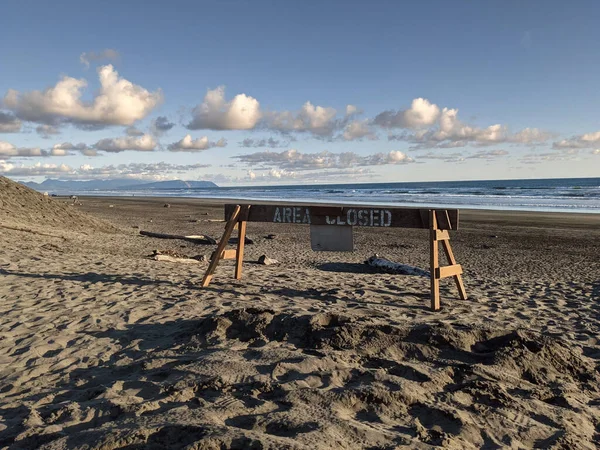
column 437, row 90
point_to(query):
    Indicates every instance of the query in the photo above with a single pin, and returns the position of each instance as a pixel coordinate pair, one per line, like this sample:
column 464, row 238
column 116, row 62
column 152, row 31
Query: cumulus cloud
column 588, row 140
column 38, row 169
column 451, row 132
column 293, row 160
column 145, row 171
column 145, row 143
column 8, row 150
column 107, row 54
column 119, row 102
column 161, row 125
column 215, row 113
column 46, row 131
column 358, row 129
column 187, row 144
column 531, row 136
column 66, row 147
column 271, row 143
column 352, row 110
column 318, row 120
column 9, row 123
column 422, row 113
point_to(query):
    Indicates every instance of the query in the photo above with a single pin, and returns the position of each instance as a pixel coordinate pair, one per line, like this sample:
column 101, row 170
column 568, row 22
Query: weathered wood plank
column 434, row 263
column 228, row 253
column 239, row 254
column 449, row 271
column 360, row 216
column 442, row 235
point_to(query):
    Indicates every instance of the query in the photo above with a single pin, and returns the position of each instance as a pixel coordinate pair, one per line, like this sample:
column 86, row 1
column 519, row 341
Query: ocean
column 565, row 194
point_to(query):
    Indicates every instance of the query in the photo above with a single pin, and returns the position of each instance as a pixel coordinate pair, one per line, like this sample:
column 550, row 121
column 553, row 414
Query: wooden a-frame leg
column 457, row 278
column 239, row 255
column 434, row 262
column 216, row 257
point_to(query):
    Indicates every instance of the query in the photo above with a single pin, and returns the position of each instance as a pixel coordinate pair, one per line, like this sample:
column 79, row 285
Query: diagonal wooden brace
column 453, row 270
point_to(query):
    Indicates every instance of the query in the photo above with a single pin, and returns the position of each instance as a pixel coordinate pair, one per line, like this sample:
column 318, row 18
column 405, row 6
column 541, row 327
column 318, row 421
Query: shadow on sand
column 91, row 277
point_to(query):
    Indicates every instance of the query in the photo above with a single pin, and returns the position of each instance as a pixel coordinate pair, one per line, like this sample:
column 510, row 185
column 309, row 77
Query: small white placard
column 328, row 238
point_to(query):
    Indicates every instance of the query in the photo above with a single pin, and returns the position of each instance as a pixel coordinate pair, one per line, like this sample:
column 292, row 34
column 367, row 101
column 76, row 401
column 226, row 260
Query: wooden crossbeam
column 442, row 235
column 229, row 254
column 449, row 271
column 355, row 216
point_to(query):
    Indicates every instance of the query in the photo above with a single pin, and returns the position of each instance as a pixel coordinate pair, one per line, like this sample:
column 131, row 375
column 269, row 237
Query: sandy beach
column 102, row 347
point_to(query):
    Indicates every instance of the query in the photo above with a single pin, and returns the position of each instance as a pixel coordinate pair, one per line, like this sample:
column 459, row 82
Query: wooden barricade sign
column 437, row 221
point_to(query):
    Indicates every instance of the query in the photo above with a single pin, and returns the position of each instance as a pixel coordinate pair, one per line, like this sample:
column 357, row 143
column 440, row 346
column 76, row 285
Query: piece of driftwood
column 168, row 258
column 396, row 268
column 197, row 239
column 265, row 260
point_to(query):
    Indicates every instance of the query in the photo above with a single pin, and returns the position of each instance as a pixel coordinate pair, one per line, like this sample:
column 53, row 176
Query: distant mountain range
column 51, row 185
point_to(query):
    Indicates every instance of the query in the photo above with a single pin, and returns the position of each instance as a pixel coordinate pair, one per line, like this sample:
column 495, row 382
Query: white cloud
column 38, row 169
column 187, row 144
column 241, row 113
column 277, row 175
column 530, row 136
column 588, row 140
column 151, row 171
column 8, row 150
column 119, row 102
column 107, row 54
column 352, row 110
column 317, row 120
column 358, row 129
column 293, row 160
column 9, row 123
column 422, row 113
column 145, row 143
column 66, row 147
column 450, row 132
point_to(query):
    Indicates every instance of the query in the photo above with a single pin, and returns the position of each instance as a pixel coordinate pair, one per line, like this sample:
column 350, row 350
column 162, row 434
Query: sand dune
column 102, row 347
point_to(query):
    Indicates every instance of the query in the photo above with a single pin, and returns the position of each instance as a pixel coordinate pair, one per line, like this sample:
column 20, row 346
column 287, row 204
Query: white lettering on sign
column 291, row 215
column 362, row 218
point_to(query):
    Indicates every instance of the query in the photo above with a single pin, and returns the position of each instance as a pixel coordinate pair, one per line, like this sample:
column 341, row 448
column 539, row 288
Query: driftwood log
column 396, row 268
column 197, row 239
column 168, row 258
